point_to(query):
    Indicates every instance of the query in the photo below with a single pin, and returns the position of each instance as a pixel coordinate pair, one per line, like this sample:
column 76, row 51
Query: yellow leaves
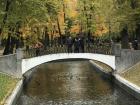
column 73, row 14
column 25, row 31
column 75, row 29
column 66, row 1
column 72, row 6
column 61, row 16
column 101, row 29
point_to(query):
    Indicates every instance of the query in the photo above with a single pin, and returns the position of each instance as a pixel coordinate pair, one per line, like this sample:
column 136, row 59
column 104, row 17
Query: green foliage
column 24, row 10
column 114, row 13
column 31, row 14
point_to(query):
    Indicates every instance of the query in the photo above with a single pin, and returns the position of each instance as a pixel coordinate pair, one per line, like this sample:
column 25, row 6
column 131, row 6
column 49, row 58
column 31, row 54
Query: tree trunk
column 0, row 31
column 8, row 3
column 7, row 46
column 19, row 39
column 7, row 8
column 138, row 33
column 59, row 30
column 12, row 44
column 46, row 41
column 18, row 42
column 64, row 12
column 124, row 38
column 9, row 43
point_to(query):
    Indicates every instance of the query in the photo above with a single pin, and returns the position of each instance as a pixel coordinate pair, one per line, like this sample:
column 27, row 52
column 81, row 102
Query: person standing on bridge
column 38, row 47
column 81, row 44
column 135, row 44
column 76, row 45
column 69, row 43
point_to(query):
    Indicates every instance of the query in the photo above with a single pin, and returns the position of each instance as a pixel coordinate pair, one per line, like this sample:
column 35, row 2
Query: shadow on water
column 72, row 83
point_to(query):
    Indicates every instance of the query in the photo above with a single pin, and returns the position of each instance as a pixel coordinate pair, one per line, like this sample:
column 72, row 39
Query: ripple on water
column 72, row 83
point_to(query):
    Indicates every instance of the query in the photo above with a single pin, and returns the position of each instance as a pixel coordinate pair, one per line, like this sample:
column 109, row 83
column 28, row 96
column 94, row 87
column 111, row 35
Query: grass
column 133, row 74
column 7, row 84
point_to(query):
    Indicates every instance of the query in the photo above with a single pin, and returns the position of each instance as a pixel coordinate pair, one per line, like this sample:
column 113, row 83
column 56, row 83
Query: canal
column 72, row 83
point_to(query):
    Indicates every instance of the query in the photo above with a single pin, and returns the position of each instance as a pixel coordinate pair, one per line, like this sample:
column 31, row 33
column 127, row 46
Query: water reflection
column 71, row 83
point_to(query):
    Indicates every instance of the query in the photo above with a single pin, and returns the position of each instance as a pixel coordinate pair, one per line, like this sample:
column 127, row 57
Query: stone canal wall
column 11, row 64
column 8, row 64
column 126, row 59
column 129, row 87
column 126, row 85
column 101, row 70
column 13, row 98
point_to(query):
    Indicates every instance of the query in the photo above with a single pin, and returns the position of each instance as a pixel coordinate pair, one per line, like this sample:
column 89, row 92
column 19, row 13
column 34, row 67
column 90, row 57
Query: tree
column 31, row 13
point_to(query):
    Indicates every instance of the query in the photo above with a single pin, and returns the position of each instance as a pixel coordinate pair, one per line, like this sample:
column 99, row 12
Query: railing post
column 138, row 46
column 116, row 49
column 19, row 62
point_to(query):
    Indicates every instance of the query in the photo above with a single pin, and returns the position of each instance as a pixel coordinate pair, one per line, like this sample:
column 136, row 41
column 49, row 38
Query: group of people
column 75, row 45
column 135, row 44
column 38, row 47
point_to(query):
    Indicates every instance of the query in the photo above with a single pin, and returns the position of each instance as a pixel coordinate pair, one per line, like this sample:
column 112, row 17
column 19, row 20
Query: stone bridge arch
column 28, row 64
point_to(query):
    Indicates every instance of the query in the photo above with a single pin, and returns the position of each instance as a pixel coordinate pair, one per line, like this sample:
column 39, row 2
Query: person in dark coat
column 135, row 44
column 76, row 45
column 81, row 44
column 69, row 44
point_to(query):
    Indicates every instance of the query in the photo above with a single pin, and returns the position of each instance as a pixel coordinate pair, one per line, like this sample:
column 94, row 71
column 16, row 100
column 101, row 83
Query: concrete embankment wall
column 129, row 87
column 126, row 59
column 101, row 70
column 8, row 64
column 13, row 98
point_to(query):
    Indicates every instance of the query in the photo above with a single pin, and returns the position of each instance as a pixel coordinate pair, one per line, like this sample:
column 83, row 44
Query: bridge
column 33, row 59
column 24, row 60
column 30, row 63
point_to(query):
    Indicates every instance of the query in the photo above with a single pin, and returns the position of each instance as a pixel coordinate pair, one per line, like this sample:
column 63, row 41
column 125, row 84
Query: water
column 72, row 83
